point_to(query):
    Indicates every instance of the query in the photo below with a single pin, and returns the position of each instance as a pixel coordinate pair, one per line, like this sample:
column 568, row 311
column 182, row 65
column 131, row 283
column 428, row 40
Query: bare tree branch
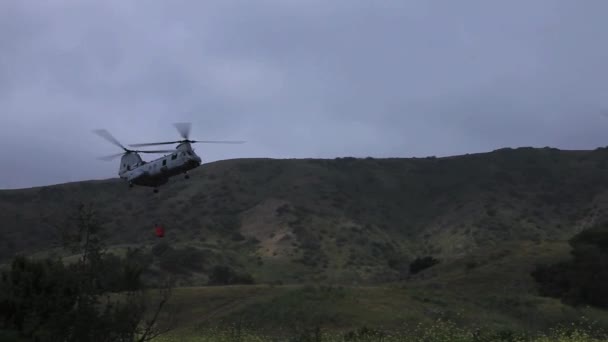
column 151, row 330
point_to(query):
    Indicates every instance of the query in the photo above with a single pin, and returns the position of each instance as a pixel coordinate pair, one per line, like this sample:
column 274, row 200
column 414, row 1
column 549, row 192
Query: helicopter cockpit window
column 173, row 156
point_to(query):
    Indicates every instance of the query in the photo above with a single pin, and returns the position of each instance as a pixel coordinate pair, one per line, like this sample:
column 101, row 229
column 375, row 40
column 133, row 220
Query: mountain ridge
column 110, row 179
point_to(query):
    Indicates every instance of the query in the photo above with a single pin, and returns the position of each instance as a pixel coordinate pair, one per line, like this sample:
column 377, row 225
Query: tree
column 224, row 275
column 420, row 264
column 99, row 297
column 584, row 278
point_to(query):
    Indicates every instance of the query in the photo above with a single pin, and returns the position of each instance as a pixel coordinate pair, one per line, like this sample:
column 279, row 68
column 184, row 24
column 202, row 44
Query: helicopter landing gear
column 187, row 176
column 130, row 185
column 155, row 190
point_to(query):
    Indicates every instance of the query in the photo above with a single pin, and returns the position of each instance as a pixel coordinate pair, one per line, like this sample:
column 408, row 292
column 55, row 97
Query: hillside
column 341, row 221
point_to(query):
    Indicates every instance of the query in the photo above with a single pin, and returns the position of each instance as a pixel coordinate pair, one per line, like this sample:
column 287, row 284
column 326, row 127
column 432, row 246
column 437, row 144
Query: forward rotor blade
column 156, row 151
column 218, row 141
column 183, row 128
column 111, row 157
column 154, row 144
column 106, row 135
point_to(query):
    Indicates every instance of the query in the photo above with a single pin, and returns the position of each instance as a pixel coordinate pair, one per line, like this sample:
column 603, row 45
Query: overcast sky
column 295, row 79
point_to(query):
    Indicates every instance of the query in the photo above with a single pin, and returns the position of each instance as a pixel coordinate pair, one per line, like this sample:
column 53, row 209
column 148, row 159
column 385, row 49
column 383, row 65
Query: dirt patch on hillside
column 267, row 224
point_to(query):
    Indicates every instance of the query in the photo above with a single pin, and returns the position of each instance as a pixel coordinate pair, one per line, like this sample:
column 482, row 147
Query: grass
column 497, row 294
column 439, row 330
column 261, row 310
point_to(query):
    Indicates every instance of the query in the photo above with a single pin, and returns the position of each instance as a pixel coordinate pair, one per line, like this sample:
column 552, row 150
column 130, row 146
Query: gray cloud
column 296, row 79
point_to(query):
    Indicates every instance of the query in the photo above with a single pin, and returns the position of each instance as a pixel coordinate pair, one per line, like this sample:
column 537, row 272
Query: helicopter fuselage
column 157, row 172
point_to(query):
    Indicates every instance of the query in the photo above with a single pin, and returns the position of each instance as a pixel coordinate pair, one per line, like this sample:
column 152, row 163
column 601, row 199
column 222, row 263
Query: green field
column 498, row 298
column 392, row 310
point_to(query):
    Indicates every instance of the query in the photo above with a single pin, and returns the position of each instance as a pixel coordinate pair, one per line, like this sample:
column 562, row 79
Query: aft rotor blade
column 218, row 141
column 111, row 157
column 183, row 128
column 154, row 144
column 106, row 135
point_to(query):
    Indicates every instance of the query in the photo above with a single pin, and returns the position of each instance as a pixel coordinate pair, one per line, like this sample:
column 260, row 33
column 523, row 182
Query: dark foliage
column 394, row 259
column 364, row 334
column 160, row 248
column 584, row 279
column 420, row 264
column 224, row 275
column 182, row 261
column 47, row 300
column 228, row 222
column 237, row 236
column 29, row 302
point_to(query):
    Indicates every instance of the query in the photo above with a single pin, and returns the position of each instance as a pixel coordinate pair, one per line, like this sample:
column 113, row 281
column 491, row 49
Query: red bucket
column 160, row 231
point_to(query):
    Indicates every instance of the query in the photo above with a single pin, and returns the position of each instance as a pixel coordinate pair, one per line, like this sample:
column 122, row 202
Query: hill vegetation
column 339, row 221
column 490, row 239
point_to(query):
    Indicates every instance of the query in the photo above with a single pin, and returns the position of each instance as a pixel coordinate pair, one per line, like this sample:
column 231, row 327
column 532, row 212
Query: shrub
column 420, row 264
column 237, row 236
column 47, row 300
column 224, row 275
column 183, row 260
column 160, row 248
column 583, row 279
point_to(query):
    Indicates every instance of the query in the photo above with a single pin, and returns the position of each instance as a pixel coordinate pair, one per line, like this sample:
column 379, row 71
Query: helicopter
column 157, row 172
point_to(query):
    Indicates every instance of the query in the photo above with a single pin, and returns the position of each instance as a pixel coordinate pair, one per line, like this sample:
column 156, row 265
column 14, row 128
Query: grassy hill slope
column 349, row 221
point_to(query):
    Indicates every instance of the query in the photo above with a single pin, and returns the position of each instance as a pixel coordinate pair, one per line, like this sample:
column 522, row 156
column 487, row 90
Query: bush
column 420, row 264
column 224, row 275
column 160, row 248
column 584, row 279
column 365, row 334
column 236, row 236
column 183, row 260
column 47, row 300
column 228, row 223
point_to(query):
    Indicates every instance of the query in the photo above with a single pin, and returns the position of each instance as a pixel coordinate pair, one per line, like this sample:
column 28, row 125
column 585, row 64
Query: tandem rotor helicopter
column 157, row 172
